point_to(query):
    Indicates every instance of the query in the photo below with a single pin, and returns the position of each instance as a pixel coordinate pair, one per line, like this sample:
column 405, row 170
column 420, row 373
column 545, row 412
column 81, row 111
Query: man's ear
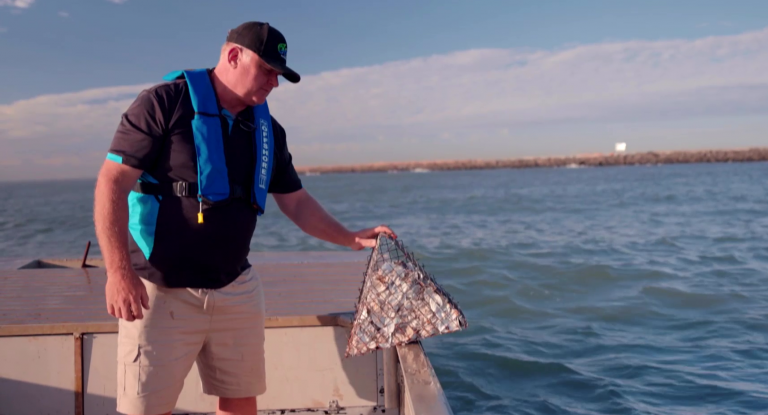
column 233, row 56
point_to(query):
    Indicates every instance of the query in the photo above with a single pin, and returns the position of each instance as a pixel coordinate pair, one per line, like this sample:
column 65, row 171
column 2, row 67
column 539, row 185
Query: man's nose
column 275, row 82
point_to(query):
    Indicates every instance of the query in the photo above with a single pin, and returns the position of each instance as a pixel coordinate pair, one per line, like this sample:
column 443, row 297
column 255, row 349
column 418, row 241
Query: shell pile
column 399, row 303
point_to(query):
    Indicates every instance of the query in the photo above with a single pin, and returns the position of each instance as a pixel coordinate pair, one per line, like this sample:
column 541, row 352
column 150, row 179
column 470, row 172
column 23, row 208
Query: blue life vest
column 212, row 184
column 212, row 180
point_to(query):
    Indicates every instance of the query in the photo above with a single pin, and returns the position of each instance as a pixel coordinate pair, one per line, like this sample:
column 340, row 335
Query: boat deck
column 67, row 300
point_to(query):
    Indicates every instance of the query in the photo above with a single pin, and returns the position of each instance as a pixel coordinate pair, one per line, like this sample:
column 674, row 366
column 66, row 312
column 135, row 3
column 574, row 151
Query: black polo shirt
column 155, row 135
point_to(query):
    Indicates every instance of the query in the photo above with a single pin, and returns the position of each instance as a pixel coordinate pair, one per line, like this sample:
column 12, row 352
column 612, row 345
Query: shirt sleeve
column 284, row 178
column 139, row 136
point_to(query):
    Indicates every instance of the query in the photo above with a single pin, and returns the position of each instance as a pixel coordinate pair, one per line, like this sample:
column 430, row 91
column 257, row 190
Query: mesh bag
column 399, row 302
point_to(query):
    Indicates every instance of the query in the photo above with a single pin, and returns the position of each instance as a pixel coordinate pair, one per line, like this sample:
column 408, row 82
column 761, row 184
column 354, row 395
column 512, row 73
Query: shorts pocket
column 130, row 370
column 141, row 378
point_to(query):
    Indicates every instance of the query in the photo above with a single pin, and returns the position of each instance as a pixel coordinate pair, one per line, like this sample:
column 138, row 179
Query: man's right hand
column 126, row 295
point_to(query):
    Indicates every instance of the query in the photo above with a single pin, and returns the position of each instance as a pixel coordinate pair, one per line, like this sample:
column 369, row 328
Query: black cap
column 267, row 42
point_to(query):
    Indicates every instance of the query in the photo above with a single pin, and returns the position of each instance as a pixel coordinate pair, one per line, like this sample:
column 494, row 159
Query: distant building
column 621, row 147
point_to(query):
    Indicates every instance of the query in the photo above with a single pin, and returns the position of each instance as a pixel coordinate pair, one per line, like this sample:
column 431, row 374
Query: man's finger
column 136, row 309
column 126, row 310
column 367, row 243
column 111, row 310
column 385, row 229
column 118, row 314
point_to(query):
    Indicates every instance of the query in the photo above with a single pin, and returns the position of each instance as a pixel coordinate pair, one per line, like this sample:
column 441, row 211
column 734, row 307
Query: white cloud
column 118, row 1
column 442, row 102
column 489, row 103
column 69, row 135
column 64, row 14
column 21, row 4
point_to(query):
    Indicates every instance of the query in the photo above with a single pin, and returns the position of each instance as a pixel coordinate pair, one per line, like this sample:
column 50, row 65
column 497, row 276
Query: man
column 176, row 205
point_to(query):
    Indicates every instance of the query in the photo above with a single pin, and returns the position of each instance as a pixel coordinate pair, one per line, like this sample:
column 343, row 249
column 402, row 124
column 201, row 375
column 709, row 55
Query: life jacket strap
column 185, row 189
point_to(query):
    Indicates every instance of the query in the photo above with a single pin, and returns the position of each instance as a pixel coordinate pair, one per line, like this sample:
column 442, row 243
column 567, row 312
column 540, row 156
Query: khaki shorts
column 222, row 330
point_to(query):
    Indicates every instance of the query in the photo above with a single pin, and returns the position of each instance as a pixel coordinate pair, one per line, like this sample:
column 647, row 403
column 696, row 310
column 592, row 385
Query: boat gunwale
column 323, row 320
column 420, row 383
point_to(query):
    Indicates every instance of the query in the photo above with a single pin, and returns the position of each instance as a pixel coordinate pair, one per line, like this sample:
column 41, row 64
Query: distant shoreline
column 588, row 160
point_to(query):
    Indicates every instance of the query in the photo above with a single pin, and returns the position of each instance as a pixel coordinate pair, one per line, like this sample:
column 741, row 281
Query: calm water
column 628, row 290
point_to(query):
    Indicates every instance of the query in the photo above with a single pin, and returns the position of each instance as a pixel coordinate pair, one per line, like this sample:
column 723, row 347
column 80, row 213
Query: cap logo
column 283, row 50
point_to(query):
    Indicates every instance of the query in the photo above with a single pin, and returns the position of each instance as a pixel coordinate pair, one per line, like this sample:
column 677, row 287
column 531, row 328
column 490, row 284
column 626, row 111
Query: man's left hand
column 366, row 238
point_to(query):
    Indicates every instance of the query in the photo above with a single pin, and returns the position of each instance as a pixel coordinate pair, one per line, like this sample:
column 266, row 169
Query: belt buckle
column 181, row 188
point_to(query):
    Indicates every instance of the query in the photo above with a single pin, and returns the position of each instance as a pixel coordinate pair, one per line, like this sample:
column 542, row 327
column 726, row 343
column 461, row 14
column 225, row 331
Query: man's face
column 256, row 80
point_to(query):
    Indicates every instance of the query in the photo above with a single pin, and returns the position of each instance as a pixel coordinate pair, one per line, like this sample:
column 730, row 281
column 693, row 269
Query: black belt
column 185, row 189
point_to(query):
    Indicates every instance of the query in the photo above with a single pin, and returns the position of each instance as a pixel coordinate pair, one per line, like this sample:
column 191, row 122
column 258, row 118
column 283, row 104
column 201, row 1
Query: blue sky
column 446, row 79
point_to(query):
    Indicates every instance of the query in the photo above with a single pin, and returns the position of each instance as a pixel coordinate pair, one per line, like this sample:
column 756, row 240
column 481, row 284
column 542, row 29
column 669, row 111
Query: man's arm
column 301, row 208
column 124, row 291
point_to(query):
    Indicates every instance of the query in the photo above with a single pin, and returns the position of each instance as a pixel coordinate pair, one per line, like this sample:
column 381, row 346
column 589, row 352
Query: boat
column 58, row 344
